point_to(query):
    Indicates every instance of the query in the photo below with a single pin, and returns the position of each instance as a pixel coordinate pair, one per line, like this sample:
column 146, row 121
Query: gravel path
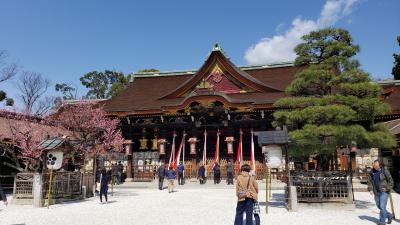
column 186, row 206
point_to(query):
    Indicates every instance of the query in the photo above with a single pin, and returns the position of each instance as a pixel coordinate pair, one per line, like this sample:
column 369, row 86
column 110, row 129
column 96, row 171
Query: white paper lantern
column 54, row 159
column 273, row 155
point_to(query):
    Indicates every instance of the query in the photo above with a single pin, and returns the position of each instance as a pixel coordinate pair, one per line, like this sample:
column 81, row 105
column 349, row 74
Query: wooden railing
column 64, row 184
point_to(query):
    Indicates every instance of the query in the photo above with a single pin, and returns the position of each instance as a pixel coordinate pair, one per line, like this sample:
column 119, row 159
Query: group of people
column 217, row 173
column 170, row 173
column 105, row 177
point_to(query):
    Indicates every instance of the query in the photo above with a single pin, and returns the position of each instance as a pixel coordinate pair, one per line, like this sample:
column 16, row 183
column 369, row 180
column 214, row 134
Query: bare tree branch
column 7, row 71
column 32, row 87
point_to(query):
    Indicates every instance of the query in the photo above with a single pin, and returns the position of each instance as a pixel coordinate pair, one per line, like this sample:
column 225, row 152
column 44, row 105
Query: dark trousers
column 160, row 182
column 180, row 179
column 217, row 178
column 103, row 191
column 245, row 206
column 230, row 177
column 202, row 180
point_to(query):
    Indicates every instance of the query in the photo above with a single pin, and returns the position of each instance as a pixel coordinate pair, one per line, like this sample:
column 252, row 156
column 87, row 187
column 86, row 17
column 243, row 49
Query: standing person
column 120, row 171
column 380, row 183
column 104, row 178
column 202, row 174
column 161, row 174
column 3, row 196
column 246, row 192
column 181, row 168
column 229, row 171
column 171, row 175
column 217, row 173
column 114, row 173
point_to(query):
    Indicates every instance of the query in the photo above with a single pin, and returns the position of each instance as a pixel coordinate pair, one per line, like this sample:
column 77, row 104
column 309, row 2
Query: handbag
column 256, row 207
column 243, row 192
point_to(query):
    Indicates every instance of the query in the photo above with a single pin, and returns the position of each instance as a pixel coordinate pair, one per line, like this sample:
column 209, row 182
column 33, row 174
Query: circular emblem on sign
column 217, row 76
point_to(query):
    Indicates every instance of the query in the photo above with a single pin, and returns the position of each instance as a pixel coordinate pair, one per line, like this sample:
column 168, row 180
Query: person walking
column 181, row 169
column 229, row 171
column 380, row 183
column 202, row 174
column 3, row 196
column 171, row 175
column 217, row 173
column 246, row 192
column 161, row 171
column 104, row 179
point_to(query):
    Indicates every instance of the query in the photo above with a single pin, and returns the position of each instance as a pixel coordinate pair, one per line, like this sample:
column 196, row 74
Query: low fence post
column 292, row 198
column 349, row 199
column 37, row 190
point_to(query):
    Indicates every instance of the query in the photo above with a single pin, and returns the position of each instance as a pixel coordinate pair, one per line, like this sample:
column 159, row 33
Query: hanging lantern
column 273, row 155
column 154, row 143
column 143, row 143
column 128, row 147
column 229, row 143
column 161, row 146
column 192, row 142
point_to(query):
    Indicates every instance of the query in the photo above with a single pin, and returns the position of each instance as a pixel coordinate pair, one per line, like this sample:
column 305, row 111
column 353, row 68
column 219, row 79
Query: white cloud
column 279, row 48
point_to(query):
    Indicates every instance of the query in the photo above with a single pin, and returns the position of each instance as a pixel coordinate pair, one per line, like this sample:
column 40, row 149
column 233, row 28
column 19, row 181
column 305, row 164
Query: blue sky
column 67, row 38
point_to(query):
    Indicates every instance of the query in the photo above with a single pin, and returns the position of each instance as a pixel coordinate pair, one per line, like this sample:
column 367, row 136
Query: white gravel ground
column 189, row 205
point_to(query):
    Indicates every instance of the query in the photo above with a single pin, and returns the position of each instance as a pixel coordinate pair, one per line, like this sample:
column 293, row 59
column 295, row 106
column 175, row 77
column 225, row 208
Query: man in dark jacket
column 202, row 174
column 3, row 196
column 380, row 183
column 161, row 174
column 217, row 173
column 171, row 175
column 229, row 171
column 181, row 169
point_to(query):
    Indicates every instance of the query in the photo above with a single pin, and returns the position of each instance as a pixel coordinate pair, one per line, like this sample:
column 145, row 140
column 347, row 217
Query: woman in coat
column 104, row 179
column 246, row 192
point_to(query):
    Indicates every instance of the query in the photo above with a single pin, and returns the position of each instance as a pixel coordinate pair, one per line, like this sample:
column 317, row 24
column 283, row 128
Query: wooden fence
column 64, row 185
column 322, row 187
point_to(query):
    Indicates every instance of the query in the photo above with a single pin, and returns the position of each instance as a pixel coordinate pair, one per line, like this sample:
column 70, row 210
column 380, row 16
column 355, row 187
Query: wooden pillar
column 128, row 152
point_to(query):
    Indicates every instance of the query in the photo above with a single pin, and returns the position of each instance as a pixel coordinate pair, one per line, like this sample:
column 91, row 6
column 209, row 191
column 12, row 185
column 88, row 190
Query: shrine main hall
column 220, row 104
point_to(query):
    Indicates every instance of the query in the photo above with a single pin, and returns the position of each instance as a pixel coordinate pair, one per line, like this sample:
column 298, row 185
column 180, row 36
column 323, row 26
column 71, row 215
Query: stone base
column 129, row 180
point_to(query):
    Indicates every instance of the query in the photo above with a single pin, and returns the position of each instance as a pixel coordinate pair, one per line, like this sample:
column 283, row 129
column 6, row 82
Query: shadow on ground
column 369, row 218
column 363, row 204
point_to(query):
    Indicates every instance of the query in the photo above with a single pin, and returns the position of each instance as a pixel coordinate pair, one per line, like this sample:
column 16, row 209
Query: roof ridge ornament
column 216, row 47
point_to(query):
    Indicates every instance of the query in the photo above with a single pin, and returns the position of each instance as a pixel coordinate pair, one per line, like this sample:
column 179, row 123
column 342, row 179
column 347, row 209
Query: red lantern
column 192, row 142
column 161, row 146
column 229, row 143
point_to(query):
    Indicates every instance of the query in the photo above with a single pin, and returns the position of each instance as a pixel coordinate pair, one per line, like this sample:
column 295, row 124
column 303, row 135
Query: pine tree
column 332, row 102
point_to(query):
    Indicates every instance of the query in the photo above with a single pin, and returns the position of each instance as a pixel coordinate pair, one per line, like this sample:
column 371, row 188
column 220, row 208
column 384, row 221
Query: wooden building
column 218, row 96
